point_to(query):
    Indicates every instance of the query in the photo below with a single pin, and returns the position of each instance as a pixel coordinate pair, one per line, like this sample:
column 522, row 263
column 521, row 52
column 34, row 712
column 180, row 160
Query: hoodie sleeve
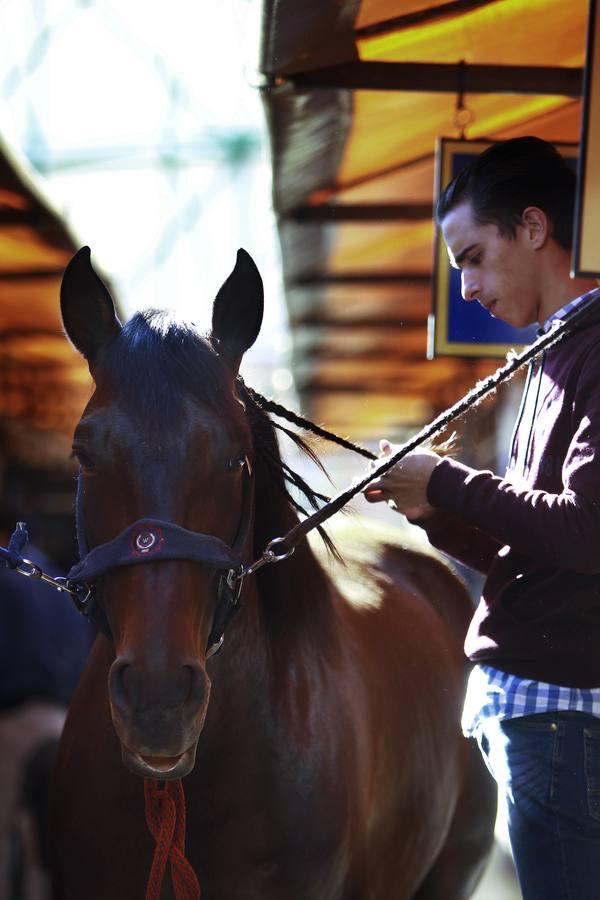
column 556, row 529
column 466, row 544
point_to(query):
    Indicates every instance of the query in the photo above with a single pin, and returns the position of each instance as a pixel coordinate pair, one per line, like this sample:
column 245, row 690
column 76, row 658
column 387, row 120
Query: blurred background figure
column 44, row 644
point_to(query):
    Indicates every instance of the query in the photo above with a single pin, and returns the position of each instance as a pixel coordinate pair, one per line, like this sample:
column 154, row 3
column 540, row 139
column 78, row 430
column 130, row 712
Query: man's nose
column 470, row 288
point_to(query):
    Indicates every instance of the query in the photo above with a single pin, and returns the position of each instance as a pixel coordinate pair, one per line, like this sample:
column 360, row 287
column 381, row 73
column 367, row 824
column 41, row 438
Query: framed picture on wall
column 458, row 328
column 586, row 246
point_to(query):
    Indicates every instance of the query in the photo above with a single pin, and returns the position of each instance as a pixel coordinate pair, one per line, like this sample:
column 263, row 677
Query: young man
column 533, row 700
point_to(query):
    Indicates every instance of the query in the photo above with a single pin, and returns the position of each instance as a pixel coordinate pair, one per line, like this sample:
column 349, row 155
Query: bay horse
column 329, row 762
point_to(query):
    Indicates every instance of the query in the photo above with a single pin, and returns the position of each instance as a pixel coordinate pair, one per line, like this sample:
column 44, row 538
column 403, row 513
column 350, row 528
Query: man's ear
column 238, row 311
column 537, row 226
column 87, row 309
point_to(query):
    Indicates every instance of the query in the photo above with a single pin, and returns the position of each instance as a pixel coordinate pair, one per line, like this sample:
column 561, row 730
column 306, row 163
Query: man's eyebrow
column 458, row 259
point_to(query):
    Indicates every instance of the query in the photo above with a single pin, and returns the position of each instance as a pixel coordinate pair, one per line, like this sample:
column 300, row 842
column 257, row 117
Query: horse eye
column 84, row 459
column 237, row 463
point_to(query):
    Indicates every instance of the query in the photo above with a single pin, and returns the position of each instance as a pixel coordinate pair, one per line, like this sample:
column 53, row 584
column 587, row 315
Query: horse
column 320, row 748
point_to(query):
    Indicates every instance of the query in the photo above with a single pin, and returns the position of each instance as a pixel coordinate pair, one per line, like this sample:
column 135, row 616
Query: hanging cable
column 463, row 116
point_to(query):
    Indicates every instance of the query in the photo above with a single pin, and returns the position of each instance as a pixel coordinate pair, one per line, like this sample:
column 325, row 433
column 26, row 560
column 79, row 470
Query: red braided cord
column 165, row 815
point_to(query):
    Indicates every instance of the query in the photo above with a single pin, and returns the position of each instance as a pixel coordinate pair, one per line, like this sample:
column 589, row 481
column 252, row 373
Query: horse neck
column 282, row 650
column 296, row 600
column 290, row 611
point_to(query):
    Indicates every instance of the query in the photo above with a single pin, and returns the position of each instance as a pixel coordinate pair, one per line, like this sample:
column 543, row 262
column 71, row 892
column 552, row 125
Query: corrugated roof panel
column 410, row 182
column 44, row 383
column 353, row 303
column 373, row 11
column 497, row 33
column 389, row 128
column 28, row 304
column 24, row 249
column 382, row 248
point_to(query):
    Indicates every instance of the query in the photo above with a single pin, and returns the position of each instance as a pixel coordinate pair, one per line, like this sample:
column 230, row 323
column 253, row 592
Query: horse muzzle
column 158, row 716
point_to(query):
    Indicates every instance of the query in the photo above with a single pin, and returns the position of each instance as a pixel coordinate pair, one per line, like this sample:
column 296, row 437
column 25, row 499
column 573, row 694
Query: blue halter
column 153, row 540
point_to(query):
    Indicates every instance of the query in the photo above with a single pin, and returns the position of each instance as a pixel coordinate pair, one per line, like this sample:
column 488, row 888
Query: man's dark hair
column 507, row 178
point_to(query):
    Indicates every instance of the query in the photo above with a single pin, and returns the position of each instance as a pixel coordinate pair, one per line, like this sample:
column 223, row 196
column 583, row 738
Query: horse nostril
column 136, row 687
column 199, row 684
column 117, row 686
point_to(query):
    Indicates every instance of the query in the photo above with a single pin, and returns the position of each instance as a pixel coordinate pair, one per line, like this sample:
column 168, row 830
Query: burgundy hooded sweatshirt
column 536, row 532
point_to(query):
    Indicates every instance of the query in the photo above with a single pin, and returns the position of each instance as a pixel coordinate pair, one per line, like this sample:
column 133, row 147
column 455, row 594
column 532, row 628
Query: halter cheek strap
column 155, row 540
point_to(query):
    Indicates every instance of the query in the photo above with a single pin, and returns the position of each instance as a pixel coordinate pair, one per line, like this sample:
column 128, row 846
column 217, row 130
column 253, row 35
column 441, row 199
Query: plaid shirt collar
column 564, row 311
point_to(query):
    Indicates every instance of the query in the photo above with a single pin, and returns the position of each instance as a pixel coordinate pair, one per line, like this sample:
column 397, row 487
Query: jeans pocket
column 533, row 757
column 591, row 740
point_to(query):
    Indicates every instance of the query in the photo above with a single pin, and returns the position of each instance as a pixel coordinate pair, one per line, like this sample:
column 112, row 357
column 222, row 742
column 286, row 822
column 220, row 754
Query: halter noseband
column 154, row 540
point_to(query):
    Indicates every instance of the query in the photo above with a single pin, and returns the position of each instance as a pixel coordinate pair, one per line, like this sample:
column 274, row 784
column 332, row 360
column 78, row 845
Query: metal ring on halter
column 268, row 556
column 29, row 569
column 277, row 557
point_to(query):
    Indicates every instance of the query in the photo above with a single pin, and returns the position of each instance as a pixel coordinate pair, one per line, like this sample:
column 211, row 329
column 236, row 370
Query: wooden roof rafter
column 421, row 17
column 454, row 78
column 366, row 278
column 360, row 212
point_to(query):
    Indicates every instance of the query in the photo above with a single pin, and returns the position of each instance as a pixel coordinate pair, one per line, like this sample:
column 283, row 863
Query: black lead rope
column 288, row 543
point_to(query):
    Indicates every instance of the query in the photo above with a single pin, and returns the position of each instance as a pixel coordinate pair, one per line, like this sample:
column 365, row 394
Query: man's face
column 500, row 272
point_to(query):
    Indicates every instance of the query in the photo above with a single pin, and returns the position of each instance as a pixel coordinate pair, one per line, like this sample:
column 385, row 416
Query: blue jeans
column 548, row 765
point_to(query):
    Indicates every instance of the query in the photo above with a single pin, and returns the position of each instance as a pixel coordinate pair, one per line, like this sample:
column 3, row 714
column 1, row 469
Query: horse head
column 164, row 438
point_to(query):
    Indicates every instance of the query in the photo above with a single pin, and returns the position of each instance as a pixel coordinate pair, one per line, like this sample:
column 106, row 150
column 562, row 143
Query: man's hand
column 404, row 486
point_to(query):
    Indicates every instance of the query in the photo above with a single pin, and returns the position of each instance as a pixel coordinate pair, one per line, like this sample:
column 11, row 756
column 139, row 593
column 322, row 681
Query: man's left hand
column 404, row 486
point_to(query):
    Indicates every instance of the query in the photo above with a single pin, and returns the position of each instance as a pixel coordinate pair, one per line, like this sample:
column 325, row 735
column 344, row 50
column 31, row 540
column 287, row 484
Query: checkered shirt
column 492, row 693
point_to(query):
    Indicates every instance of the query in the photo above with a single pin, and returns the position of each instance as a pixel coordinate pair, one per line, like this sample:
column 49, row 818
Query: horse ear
column 238, row 311
column 88, row 311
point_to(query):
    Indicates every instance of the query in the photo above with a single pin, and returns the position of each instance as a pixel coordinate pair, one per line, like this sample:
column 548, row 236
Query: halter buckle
column 81, row 602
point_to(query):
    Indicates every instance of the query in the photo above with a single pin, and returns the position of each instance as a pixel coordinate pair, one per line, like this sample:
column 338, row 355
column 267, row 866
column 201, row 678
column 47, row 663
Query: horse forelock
column 156, row 362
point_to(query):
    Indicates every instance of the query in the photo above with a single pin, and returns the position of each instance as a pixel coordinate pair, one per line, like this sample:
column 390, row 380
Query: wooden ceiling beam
column 31, row 217
column 393, row 387
column 364, row 323
column 353, row 212
column 394, row 357
column 12, row 333
column 31, row 274
column 420, row 17
column 454, row 78
column 391, row 277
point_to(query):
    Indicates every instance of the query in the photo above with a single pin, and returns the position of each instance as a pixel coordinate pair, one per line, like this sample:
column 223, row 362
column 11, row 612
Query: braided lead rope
column 165, row 816
column 278, row 410
column 560, row 329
